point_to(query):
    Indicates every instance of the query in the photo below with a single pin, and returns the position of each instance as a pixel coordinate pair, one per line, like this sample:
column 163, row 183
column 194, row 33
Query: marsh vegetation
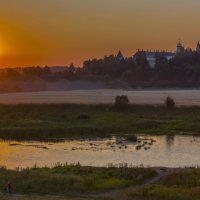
column 73, row 179
column 58, row 121
column 75, row 182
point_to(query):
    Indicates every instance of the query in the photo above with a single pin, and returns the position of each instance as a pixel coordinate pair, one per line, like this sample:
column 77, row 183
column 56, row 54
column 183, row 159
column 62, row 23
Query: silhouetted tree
column 121, row 101
column 169, row 102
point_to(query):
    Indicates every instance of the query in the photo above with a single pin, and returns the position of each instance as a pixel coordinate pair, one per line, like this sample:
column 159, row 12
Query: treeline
column 41, row 73
column 183, row 70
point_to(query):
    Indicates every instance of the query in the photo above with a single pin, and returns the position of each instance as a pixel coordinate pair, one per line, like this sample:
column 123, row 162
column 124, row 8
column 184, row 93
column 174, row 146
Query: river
column 166, row 151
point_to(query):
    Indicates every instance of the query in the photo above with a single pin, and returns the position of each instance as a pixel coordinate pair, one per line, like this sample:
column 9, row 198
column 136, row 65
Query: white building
column 152, row 55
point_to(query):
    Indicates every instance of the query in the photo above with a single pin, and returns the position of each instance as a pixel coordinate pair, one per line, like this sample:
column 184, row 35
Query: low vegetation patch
column 83, row 116
column 184, row 178
column 182, row 184
column 121, row 101
column 169, row 102
column 70, row 179
column 132, row 138
column 160, row 192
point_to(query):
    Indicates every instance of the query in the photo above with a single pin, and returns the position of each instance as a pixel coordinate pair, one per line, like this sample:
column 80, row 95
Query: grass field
column 77, row 183
column 36, row 197
column 182, row 184
column 72, row 180
column 43, row 121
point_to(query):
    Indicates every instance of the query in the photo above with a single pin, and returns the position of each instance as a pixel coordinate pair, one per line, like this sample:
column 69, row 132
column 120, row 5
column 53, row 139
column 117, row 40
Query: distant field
column 151, row 97
column 61, row 120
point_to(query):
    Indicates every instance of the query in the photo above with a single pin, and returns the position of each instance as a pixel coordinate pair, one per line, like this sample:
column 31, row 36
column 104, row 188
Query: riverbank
column 73, row 180
column 180, row 184
column 67, row 120
column 76, row 183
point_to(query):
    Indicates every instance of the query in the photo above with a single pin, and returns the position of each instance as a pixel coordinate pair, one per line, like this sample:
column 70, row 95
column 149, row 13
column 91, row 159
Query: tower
column 198, row 47
column 120, row 56
column 179, row 48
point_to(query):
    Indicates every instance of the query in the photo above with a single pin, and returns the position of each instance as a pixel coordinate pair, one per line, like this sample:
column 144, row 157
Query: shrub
column 121, row 101
column 169, row 102
column 132, row 138
column 83, row 116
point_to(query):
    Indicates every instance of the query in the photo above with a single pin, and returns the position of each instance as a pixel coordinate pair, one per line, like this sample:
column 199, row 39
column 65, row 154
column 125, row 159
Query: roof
column 154, row 53
column 120, row 56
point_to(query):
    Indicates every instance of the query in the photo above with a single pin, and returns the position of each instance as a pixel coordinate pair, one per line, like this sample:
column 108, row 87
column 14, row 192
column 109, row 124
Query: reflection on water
column 168, row 151
column 170, row 141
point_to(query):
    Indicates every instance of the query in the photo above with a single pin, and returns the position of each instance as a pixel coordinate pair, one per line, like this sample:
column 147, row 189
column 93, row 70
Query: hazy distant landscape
column 99, row 100
column 116, row 128
column 102, row 96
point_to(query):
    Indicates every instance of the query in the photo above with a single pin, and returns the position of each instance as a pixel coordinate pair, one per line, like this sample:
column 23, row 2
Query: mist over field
column 102, row 96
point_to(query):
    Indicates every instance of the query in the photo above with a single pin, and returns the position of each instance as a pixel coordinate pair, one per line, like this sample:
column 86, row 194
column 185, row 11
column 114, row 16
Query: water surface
column 168, row 151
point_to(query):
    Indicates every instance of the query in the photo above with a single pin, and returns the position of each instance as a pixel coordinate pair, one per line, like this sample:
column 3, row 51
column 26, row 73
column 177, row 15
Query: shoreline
column 109, row 183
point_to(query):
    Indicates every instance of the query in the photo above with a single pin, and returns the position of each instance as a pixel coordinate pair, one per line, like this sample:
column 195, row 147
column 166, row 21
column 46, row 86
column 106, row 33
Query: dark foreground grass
column 72, row 180
column 183, row 184
column 160, row 192
column 53, row 121
column 92, row 182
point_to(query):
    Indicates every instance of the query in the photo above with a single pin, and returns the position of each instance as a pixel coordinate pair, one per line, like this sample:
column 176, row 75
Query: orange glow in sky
column 59, row 32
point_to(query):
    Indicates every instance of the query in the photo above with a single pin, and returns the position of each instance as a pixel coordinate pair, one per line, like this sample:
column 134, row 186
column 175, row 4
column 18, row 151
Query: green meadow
column 95, row 183
column 73, row 179
column 182, row 184
column 57, row 121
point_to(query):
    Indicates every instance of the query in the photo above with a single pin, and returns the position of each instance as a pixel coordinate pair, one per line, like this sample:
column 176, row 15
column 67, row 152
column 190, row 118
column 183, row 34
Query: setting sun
column 62, row 32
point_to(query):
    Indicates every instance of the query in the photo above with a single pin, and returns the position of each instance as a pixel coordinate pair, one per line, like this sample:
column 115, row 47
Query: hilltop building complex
column 152, row 55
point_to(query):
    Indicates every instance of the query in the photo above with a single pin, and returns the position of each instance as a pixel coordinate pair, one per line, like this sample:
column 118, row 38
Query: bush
column 83, row 116
column 169, row 102
column 132, row 138
column 121, row 101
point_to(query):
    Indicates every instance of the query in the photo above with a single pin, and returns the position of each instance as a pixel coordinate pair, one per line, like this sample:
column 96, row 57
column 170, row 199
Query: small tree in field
column 169, row 102
column 121, row 101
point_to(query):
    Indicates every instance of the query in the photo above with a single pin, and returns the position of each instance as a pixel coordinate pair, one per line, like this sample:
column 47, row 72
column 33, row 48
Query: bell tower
column 120, row 56
column 198, row 47
column 179, row 48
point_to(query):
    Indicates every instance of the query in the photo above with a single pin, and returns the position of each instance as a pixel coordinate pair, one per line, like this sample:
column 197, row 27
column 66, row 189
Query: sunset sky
column 59, row 32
